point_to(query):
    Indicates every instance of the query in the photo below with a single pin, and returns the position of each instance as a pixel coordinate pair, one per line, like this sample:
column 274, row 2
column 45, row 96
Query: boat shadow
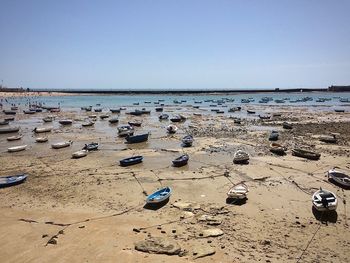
column 325, row 217
column 338, row 184
column 236, row 201
column 156, row 206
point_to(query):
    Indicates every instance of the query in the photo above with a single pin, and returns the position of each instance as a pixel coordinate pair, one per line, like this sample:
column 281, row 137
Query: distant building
column 339, row 88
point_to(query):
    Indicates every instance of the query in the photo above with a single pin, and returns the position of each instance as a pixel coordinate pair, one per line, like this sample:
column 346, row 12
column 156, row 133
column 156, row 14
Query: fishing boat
column 42, row 129
column 306, row 154
column 17, row 148
column 159, row 109
column 163, row 116
column 187, row 141
column 9, row 130
column 6, row 181
column 181, row 161
column 65, row 122
column 14, row 138
column 115, row 110
column 339, row 177
column 9, row 112
column 48, row 119
column 3, row 122
column 171, row 129
column 324, row 200
column 29, row 111
column 125, row 130
column 61, row 144
column 137, row 138
column 287, row 126
column 135, row 123
column 79, row 154
column 176, row 119
column 113, row 120
column 277, row 148
column 131, row 160
column 159, row 196
column 328, row 139
column 87, row 124
column 240, row 157
column 41, row 139
column 91, row 146
column 273, row 136
column 238, row 191
column 104, row 116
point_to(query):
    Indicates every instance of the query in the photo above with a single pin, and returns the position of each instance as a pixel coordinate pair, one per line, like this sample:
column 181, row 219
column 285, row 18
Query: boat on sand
column 61, row 144
column 306, row 154
column 159, row 196
column 17, row 148
column 240, row 157
column 131, row 160
column 277, row 148
column 324, row 200
column 6, row 181
column 339, row 177
column 238, row 191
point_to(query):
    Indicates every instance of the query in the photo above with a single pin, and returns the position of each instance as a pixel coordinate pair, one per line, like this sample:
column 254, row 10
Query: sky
column 174, row 44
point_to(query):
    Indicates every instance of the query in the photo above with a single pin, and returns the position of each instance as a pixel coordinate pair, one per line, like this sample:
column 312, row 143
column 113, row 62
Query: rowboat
column 324, row 200
column 273, row 136
column 9, row 130
column 6, row 181
column 240, row 157
column 48, row 119
column 104, row 116
column 113, row 120
column 65, row 122
column 131, row 160
column 61, row 144
column 176, row 119
column 287, row 126
column 328, row 139
column 125, row 130
column 87, row 124
column 171, row 129
column 137, row 138
column 42, row 129
column 9, row 112
column 14, row 138
column 187, row 140
column 339, row 177
column 29, row 111
column 159, row 196
column 17, row 148
column 41, row 139
column 306, row 154
column 80, row 154
column 91, row 146
column 278, row 149
column 181, row 161
column 238, row 191
column 163, row 116
column 135, row 123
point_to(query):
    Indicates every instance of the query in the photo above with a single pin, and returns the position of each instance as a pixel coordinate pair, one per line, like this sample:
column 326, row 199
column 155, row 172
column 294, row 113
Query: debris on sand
column 213, row 232
column 158, row 245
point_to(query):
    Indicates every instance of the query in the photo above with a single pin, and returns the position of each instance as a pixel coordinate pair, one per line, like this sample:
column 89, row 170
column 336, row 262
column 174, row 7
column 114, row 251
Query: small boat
column 277, row 149
column 9, row 112
column 287, row 126
column 163, row 116
column 181, row 161
column 6, row 181
column 135, row 113
column 55, row 109
column 328, row 139
column 135, row 123
column 240, row 157
column 131, row 161
column 159, row 196
column 98, row 110
column 61, row 144
column 187, row 141
column 171, row 129
column 339, row 177
column 17, row 148
column 9, row 130
column 339, row 110
column 104, row 116
column 324, row 200
column 238, row 191
column 176, row 119
column 125, row 130
column 115, row 110
column 29, row 111
column 250, row 112
column 91, row 146
column 9, row 118
column 65, row 122
column 137, row 138
column 42, row 129
column 41, row 139
column 234, row 109
column 48, row 119
column 3, row 122
column 87, row 124
column 262, row 117
column 159, row 109
column 79, row 154
column 93, row 116
column 273, row 136
column 306, row 154
column 113, row 120
column 14, row 108
column 14, row 138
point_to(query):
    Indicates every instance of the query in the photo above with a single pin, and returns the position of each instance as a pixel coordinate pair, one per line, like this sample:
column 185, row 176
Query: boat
column 273, row 136
column 113, row 120
column 131, row 161
column 98, row 110
column 29, row 111
column 137, row 138
column 104, row 116
column 250, row 112
column 41, row 139
column 159, row 196
column 135, row 123
column 17, row 148
column 91, row 146
column 238, row 191
column 115, row 110
column 3, row 122
column 339, row 110
column 6, row 181
column 328, row 139
column 125, row 130
column 9, row 130
column 287, row 126
column 159, row 109
column 42, row 129
column 171, row 129
column 163, row 116
column 9, row 112
column 65, row 122
column 324, row 200
column 79, row 154
column 277, row 148
column 240, row 157
column 14, row 108
column 9, row 118
column 135, row 113
column 187, row 140
column 339, row 177
column 181, row 161
column 176, row 119
column 61, row 144
column 306, row 154
column 262, row 117
column 48, row 119
column 14, row 138
column 55, row 110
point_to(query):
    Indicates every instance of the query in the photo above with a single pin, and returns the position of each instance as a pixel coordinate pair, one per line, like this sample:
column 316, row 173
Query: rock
column 213, row 232
column 186, row 206
column 203, row 251
column 52, row 241
column 44, row 235
column 211, row 220
column 266, row 243
column 158, row 245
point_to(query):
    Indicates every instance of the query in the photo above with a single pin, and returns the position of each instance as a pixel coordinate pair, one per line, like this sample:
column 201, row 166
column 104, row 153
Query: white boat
column 324, row 200
column 87, row 124
column 41, row 139
column 240, row 157
column 42, row 129
column 14, row 138
column 17, row 148
column 171, row 128
column 339, row 177
column 238, row 191
column 61, row 144
column 80, row 154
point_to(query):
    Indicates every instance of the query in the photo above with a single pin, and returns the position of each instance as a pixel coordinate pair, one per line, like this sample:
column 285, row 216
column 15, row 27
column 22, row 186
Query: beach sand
column 92, row 210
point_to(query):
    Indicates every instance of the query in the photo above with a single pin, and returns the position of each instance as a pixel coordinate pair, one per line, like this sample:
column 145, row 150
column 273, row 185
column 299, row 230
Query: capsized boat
column 339, row 177
column 42, row 129
column 324, row 200
column 41, row 139
column 238, row 191
column 131, row 160
column 181, row 161
column 306, row 154
column 80, row 154
column 17, row 148
column 61, row 144
column 9, row 130
column 277, row 148
column 6, row 181
column 159, row 196
column 14, row 138
column 240, row 157
column 91, row 146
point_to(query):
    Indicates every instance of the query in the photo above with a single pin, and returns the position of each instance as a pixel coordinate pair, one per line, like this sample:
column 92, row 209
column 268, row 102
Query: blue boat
column 137, row 138
column 131, row 160
column 159, row 196
column 181, row 161
column 12, row 180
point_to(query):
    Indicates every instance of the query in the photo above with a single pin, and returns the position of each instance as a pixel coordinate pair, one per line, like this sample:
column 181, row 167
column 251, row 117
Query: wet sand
column 92, row 210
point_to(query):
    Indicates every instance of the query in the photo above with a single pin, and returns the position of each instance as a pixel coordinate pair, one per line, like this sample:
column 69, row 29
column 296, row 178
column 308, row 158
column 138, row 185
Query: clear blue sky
column 173, row 44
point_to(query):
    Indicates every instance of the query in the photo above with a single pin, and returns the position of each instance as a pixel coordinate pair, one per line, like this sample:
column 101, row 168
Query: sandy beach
column 93, row 210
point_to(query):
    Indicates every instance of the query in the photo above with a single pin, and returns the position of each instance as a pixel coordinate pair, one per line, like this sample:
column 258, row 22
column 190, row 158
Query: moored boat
column 17, row 148
column 9, row 130
column 273, row 136
column 278, row 149
column 238, row 191
column 125, row 130
column 9, row 112
column 42, row 129
column 65, row 122
column 163, row 116
column 181, row 161
column 4, row 122
column 14, row 138
column 187, row 141
column 287, row 126
column 306, row 154
column 171, row 129
column 87, row 124
column 159, row 196
column 79, row 154
column 137, row 138
column 104, row 116
column 48, row 119
column 328, row 139
column 240, row 157
column 91, row 146
column 6, row 181
column 113, row 120
column 339, row 177
column 115, row 110
column 131, row 160
column 61, row 144
column 135, row 123
column 324, row 200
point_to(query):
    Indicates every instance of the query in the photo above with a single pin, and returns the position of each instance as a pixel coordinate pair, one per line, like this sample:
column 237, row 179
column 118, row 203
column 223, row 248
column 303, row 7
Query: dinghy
column 79, row 154
column 159, row 196
column 273, row 136
column 131, row 161
column 306, row 154
column 137, row 138
column 9, row 130
column 171, row 129
column 328, row 138
column 277, row 148
column 176, row 119
column 87, row 124
column 324, row 200
column 61, row 144
column 113, row 120
column 187, row 141
column 42, row 129
column 135, row 123
column 14, row 138
column 125, row 130
column 17, row 148
column 181, row 161
column 163, row 116
column 48, row 119
column 238, row 191
column 41, row 139
column 91, row 146
column 287, row 126
column 339, row 177
column 240, row 157
column 6, row 181
column 65, row 122
column 3, row 122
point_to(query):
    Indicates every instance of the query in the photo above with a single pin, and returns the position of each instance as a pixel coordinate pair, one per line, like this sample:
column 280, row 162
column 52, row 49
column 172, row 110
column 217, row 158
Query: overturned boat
column 306, row 154
column 17, row 148
column 61, row 144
